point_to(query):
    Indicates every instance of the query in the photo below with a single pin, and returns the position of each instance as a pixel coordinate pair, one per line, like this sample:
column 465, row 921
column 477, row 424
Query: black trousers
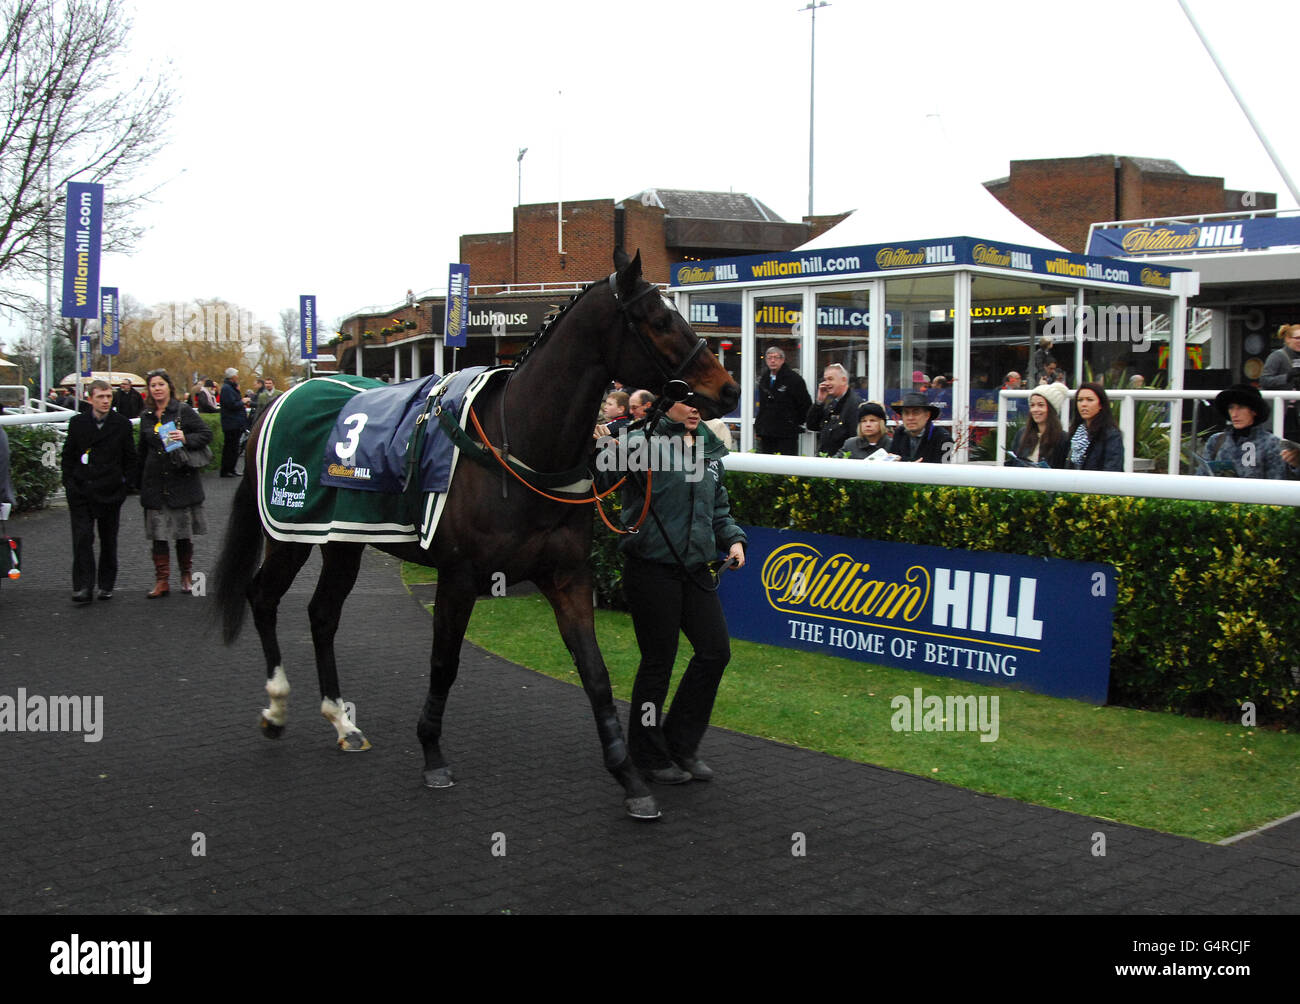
column 665, row 602
column 230, row 450
column 785, row 445
column 85, row 516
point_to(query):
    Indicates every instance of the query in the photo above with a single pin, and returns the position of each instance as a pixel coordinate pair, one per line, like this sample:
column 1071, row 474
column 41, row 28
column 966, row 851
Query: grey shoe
column 697, row 769
column 672, row 774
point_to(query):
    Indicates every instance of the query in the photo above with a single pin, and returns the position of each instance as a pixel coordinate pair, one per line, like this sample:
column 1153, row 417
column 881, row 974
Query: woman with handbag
column 173, row 448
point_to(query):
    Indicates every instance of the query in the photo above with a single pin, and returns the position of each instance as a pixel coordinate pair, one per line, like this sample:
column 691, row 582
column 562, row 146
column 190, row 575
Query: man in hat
column 834, row 415
column 127, row 401
column 919, row 439
column 783, row 401
column 1253, row 451
column 234, row 419
column 99, row 462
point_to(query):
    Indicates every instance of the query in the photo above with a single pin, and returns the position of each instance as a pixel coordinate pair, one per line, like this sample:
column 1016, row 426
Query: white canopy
column 926, row 193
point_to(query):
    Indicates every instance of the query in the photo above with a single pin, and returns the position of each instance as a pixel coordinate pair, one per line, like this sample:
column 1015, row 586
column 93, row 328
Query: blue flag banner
column 84, row 343
column 1036, row 624
column 109, row 325
column 81, row 237
column 456, row 318
column 307, row 325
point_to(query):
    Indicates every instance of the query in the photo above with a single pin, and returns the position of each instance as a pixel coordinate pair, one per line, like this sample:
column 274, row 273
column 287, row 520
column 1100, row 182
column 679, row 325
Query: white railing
column 1127, row 412
column 1195, row 487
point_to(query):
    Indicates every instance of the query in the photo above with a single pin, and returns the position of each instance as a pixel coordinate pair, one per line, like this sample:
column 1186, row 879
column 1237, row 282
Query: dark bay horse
column 620, row 329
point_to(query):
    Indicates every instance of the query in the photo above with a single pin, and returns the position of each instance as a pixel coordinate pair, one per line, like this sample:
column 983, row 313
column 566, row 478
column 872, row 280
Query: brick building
column 1060, row 198
column 519, row 275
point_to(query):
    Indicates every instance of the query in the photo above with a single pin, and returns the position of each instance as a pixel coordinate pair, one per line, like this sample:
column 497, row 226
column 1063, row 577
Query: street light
column 519, row 197
column 812, row 76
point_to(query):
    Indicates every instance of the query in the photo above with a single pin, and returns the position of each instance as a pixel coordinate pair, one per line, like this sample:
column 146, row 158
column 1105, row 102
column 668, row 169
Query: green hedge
column 34, row 464
column 1208, row 598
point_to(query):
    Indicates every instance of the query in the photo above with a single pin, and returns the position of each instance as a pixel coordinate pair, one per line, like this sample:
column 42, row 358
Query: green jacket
column 688, row 497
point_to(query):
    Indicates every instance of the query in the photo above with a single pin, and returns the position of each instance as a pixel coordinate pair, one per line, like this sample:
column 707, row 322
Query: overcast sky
column 341, row 149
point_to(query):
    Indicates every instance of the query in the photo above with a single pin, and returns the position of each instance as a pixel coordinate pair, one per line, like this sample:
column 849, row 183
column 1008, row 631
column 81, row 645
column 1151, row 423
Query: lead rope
column 595, row 495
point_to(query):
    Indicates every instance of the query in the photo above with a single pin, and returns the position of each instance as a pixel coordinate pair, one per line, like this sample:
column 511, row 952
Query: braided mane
column 548, row 325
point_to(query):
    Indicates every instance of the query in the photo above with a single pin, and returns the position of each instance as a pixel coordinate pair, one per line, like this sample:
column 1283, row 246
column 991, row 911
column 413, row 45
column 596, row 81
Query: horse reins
column 675, row 389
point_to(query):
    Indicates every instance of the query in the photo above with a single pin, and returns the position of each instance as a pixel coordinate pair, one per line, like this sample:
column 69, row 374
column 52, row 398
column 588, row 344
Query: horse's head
column 659, row 346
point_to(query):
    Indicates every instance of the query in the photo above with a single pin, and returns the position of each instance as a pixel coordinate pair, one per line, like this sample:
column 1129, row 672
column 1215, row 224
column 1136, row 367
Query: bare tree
column 291, row 332
column 71, row 108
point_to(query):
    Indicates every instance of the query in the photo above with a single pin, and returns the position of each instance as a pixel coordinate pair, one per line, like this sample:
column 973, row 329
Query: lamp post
column 519, row 196
column 812, row 77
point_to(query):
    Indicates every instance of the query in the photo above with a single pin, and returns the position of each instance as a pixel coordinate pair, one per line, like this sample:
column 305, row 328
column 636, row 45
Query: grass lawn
column 1193, row 777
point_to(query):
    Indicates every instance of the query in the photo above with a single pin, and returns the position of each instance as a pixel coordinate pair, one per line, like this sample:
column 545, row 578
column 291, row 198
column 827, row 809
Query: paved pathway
column 296, row 827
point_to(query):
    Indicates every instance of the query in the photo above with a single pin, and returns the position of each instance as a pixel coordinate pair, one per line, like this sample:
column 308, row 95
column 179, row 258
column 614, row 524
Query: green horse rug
column 345, row 457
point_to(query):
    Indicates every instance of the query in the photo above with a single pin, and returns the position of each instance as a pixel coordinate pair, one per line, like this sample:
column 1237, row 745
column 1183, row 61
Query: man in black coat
column 920, row 440
column 783, row 403
column 234, row 419
column 834, row 416
column 127, row 401
column 99, row 462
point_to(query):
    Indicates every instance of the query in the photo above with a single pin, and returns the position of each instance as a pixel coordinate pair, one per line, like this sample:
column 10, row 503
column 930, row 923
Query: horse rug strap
column 409, row 471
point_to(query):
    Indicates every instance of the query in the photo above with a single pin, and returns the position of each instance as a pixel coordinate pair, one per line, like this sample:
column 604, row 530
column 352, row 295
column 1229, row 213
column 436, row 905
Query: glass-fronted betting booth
column 973, row 311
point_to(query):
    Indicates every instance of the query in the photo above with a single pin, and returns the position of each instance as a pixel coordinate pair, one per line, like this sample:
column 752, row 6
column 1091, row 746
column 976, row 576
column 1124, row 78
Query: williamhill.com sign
column 1032, row 623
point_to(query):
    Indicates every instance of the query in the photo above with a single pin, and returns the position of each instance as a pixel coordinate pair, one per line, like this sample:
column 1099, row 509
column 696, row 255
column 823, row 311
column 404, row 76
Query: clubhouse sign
column 1032, row 623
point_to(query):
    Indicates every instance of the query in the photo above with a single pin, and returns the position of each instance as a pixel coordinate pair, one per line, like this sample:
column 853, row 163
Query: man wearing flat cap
column 919, row 439
column 1253, row 451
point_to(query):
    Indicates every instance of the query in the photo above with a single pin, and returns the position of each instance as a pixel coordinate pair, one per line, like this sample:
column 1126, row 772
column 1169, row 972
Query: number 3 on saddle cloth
column 345, row 457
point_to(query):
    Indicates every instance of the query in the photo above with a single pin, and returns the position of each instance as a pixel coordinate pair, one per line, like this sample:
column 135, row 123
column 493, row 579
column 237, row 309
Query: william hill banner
column 81, row 235
column 996, row 619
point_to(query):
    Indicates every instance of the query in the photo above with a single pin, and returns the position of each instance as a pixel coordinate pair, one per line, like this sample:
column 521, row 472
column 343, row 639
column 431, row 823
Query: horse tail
column 239, row 558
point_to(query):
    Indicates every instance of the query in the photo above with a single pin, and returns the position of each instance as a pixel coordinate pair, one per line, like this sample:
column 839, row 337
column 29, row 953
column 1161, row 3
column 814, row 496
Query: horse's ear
column 629, row 271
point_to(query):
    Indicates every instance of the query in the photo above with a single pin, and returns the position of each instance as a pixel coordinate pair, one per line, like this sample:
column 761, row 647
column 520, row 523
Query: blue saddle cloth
column 370, row 445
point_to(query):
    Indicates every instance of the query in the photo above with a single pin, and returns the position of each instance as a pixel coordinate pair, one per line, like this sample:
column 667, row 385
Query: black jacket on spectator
column 128, row 404
column 834, row 422
column 110, row 459
column 783, row 404
column 234, row 417
column 929, row 449
column 164, row 481
column 1105, row 453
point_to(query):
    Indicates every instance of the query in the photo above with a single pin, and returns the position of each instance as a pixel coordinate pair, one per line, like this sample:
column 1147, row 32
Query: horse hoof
column 643, row 808
column 271, row 730
column 354, row 742
column 438, row 777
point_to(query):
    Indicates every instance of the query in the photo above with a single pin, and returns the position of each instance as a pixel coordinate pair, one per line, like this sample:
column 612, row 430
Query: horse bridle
column 675, row 389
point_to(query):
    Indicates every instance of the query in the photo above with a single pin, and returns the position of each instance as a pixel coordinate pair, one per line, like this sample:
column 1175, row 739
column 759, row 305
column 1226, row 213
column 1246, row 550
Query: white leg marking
column 277, row 688
column 338, row 717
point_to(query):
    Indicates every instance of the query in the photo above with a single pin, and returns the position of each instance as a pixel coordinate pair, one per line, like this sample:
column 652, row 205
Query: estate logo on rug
column 289, row 486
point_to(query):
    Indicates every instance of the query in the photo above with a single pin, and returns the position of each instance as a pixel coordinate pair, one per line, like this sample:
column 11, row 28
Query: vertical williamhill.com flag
column 307, row 325
column 81, row 237
column 109, row 332
column 456, row 319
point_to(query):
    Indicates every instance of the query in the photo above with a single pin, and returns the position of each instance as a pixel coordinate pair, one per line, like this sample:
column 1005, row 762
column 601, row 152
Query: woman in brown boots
column 171, row 490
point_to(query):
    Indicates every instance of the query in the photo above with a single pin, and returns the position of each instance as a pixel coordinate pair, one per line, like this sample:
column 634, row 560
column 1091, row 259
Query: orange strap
column 595, row 496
